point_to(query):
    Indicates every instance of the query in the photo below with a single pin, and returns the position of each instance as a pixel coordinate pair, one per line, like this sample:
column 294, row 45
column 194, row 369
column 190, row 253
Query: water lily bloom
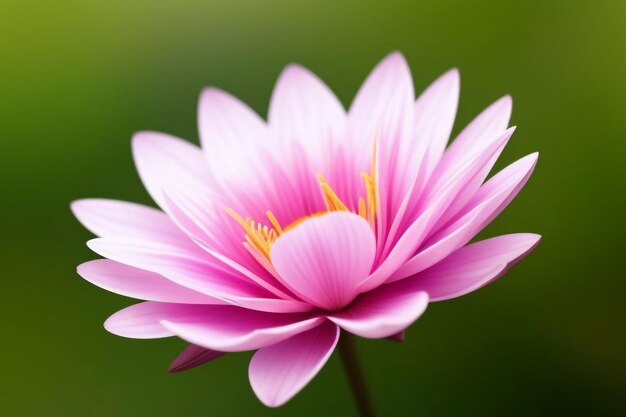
column 283, row 236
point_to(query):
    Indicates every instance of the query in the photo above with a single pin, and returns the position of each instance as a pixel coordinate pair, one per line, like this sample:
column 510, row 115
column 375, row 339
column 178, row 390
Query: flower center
column 260, row 237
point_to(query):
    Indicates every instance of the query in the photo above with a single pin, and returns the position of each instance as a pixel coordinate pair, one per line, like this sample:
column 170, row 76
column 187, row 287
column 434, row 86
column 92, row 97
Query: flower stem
column 350, row 360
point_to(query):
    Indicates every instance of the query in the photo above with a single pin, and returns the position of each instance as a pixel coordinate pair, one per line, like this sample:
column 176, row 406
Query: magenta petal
column 193, row 356
column 324, row 259
column 382, row 312
column 138, row 283
column 234, row 329
column 473, row 266
column 280, row 371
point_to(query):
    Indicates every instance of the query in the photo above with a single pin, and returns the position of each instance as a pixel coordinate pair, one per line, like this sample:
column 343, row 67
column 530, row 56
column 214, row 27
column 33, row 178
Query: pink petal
column 484, row 129
column 232, row 136
column 193, row 356
column 323, row 259
column 487, row 126
column 138, row 283
column 491, row 199
column 222, row 237
column 383, row 112
column 142, row 321
column 164, row 160
column 303, row 109
column 380, row 107
column 473, row 266
column 280, row 371
column 247, row 162
column 436, row 200
column 112, row 218
column 177, row 265
column 383, row 312
column 435, row 110
column 234, row 329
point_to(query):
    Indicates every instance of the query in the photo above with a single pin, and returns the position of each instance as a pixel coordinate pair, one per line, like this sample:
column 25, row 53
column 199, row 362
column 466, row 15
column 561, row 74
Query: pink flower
column 276, row 235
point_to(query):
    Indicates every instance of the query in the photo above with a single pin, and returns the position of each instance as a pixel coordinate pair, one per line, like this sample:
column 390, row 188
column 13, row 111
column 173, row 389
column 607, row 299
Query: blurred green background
column 79, row 77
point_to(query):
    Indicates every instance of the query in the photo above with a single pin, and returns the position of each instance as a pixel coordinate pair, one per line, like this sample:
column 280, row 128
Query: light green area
column 77, row 78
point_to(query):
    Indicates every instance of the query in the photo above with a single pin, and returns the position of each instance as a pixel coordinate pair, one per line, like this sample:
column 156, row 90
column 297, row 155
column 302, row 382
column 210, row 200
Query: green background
column 79, row 77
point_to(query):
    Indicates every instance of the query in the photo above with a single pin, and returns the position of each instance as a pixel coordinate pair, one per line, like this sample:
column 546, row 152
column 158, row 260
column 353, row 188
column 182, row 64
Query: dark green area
column 79, row 77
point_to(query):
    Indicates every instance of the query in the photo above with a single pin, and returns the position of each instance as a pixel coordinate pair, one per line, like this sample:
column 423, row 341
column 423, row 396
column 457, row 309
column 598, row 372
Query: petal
column 435, row 110
column 492, row 198
column 380, row 106
column 232, row 135
column 383, row 112
column 138, row 283
column 112, row 218
column 324, row 258
column 487, row 126
column 222, row 237
column 176, row 264
column 473, row 266
column 280, row 371
column 305, row 110
column 163, row 160
column 142, row 321
column 484, row 129
column 432, row 208
column 383, row 312
column 193, row 356
column 234, row 329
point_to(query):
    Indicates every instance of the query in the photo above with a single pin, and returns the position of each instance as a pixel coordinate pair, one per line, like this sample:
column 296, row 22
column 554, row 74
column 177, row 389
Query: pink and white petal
column 112, row 218
column 163, row 160
column 374, row 111
column 139, row 283
column 177, row 265
column 142, row 321
column 232, row 136
column 383, row 112
column 383, row 312
column 492, row 198
column 305, row 110
column 279, row 372
column 193, row 356
column 222, row 237
column 435, row 110
column 226, row 123
column 472, row 266
column 435, row 206
column 323, row 259
column 247, row 161
column 234, row 329
column 486, row 127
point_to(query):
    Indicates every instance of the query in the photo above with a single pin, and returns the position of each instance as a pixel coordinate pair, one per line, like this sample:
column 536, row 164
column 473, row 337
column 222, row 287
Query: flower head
column 276, row 235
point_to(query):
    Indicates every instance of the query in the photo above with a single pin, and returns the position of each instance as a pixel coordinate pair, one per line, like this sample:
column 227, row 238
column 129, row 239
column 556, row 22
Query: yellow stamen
column 259, row 236
column 274, row 222
column 370, row 193
column 333, row 202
